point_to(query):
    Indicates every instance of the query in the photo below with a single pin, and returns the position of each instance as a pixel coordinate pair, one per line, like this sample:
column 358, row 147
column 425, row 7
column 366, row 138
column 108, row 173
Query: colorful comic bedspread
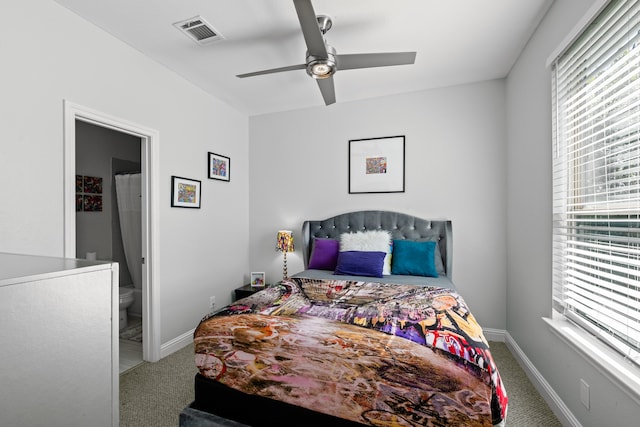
column 376, row 354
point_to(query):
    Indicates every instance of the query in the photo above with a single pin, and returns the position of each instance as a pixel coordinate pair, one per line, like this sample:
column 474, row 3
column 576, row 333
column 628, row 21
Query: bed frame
column 401, row 226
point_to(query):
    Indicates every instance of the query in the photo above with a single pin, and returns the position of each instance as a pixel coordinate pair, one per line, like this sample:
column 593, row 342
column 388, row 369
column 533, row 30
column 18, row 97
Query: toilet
column 126, row 298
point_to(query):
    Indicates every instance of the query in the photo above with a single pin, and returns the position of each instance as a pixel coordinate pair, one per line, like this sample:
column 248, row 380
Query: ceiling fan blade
column 327, row 90
column 274, row 70
column 369, row 60
column 309, row 24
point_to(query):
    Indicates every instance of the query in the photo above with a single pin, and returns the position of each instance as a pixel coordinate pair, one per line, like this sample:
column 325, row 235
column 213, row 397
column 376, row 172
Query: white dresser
column 58, row 342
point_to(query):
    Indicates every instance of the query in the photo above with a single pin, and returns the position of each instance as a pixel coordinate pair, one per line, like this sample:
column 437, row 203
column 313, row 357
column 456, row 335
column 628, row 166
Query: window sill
column 611, row 364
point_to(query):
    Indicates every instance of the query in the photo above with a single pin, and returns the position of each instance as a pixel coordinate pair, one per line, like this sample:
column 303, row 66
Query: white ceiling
column 457, row 42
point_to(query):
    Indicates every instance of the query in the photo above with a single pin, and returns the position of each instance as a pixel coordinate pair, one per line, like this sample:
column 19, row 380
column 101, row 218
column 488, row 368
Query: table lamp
column 284, row 244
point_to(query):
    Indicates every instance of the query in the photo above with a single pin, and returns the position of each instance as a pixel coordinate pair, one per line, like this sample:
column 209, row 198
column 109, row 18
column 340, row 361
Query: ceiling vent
column 199, row 30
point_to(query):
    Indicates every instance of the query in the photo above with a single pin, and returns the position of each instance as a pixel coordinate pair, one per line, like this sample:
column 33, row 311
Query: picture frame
column 219, row 167
column 185, row 192
column 258, row 279
column 376, row 165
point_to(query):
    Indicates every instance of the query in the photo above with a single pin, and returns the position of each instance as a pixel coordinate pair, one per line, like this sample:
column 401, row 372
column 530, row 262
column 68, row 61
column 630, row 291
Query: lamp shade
column 284, row 241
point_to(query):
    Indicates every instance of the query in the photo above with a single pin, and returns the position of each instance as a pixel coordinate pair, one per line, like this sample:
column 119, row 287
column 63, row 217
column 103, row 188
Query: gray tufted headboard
column 401, row 226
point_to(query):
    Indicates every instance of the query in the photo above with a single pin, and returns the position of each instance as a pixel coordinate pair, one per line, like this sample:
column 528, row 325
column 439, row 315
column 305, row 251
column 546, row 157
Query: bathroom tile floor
column 130, row 351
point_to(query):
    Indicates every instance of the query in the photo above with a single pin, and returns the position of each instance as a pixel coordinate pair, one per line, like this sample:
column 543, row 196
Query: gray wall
column 455, row 168
column 60, row 56
column 529, row 229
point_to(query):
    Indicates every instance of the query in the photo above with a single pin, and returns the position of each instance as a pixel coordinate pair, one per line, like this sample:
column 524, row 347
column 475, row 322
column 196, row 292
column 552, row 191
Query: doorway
column 148, row 140
column 109, row 221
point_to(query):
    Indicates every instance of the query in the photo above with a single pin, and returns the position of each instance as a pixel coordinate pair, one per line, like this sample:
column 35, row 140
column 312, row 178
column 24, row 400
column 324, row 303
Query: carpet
column 154, row 394
column 526, row 405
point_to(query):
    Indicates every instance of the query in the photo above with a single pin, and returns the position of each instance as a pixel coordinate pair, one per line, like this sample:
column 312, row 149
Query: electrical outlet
column 212, row 302
column 584, row 393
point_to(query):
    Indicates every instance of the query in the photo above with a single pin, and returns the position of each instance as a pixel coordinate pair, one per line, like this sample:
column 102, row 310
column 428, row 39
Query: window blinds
column 596, row 179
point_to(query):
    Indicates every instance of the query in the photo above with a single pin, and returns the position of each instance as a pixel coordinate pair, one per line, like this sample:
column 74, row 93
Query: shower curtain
column 128, row 194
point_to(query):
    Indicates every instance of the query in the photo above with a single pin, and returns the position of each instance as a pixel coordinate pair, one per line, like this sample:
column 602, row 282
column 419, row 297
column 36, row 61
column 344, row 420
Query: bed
column 366, row 346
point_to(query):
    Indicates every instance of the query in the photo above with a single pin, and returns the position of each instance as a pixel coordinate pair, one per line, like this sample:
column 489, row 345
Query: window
column 596, row 179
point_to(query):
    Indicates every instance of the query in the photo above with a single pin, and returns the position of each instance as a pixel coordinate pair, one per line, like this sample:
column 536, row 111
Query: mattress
column 343, row 352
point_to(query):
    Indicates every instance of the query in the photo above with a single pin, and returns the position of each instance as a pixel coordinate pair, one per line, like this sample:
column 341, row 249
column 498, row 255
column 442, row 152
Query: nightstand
column 246, row 290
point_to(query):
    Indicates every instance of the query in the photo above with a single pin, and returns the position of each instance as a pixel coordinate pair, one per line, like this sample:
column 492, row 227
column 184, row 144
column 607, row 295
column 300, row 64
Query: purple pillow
column 360, row 263
column 324, row 255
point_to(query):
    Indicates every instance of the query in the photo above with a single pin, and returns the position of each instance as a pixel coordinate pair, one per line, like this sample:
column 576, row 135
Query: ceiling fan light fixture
column 322, row 68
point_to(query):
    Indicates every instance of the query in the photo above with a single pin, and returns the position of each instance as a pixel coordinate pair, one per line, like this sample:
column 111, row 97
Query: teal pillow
column 414, row 258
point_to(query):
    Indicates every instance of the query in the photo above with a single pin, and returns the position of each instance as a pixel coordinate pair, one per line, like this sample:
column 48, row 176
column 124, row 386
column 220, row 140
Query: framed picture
column 257, row 279
column 93, row 184
column 376, row 165
column 185, row 193
column 219, row 167
column 92, row 203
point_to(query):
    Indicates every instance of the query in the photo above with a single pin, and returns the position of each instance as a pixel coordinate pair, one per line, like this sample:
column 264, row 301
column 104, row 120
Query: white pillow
column 369, row 241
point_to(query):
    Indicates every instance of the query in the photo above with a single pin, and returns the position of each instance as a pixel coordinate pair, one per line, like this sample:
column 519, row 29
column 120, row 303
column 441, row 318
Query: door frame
column 149, row 143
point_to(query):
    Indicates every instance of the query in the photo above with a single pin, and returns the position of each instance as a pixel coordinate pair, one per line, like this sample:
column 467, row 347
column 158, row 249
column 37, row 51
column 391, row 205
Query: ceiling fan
column 322, row 61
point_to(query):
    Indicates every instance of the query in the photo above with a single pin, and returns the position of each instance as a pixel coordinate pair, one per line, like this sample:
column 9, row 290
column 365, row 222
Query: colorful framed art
column 219, row 167
column 185, row 192
column 376, row 165
column 258, row 279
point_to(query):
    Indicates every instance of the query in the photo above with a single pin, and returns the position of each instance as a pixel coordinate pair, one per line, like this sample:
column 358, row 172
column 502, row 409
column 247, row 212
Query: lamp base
column 285, row 274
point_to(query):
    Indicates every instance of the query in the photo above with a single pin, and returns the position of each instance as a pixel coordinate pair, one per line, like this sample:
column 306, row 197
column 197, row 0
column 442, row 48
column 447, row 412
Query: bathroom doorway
column 109, row 221
column 132, row 148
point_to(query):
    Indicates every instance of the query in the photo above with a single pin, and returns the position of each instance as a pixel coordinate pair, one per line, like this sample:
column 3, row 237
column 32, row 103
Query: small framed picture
column 93, row 184
column 92, row 203
column 257, row 279
column 185, row 193
column 219, row 167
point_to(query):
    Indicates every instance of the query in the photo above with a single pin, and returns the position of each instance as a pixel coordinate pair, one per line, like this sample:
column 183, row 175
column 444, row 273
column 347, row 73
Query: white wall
column 529, row 229
column 49, row 55
column 455, row 168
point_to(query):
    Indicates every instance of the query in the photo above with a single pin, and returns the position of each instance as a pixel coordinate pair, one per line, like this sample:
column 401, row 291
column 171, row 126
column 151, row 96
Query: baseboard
column 554, row 401
column 176, row 344
column 498, row 335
